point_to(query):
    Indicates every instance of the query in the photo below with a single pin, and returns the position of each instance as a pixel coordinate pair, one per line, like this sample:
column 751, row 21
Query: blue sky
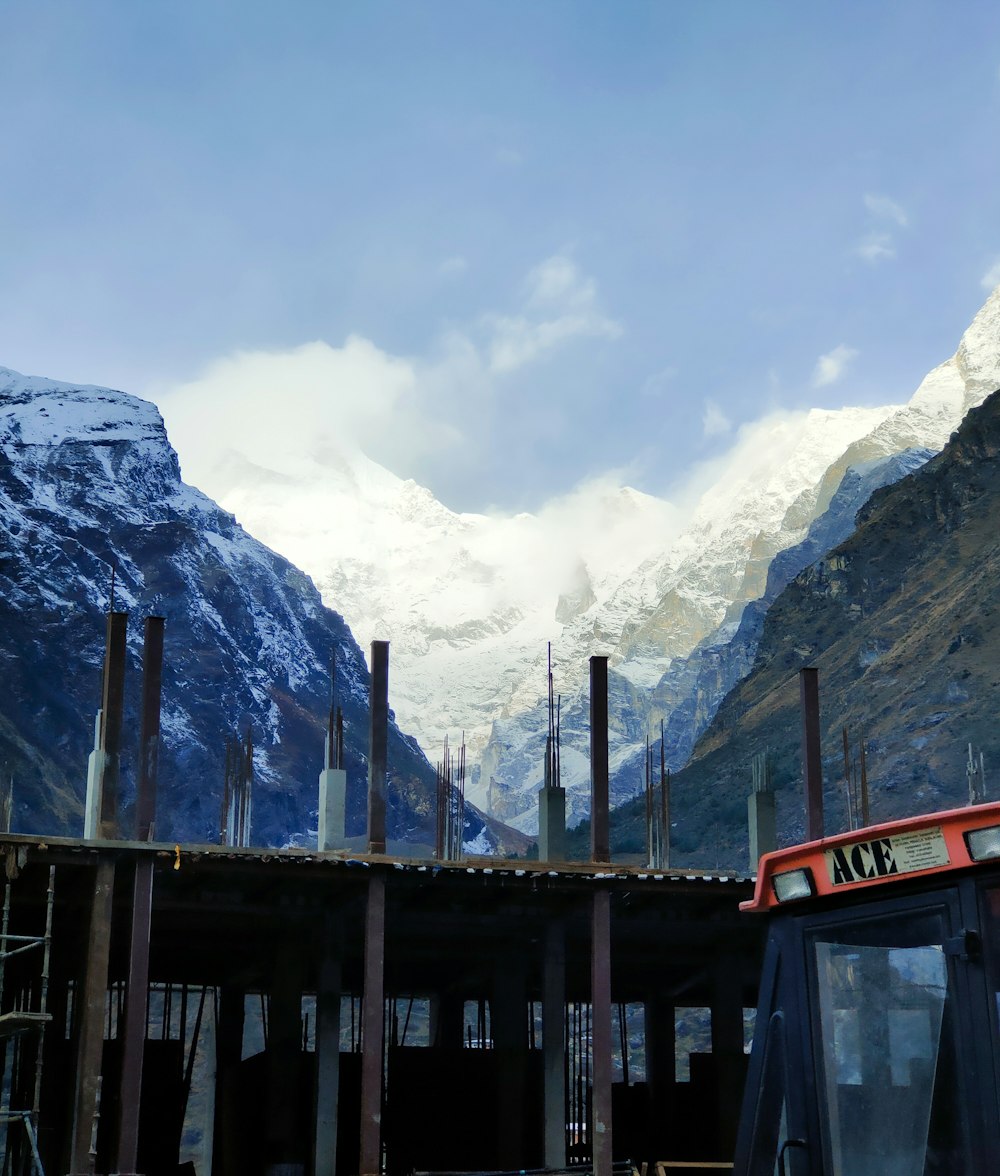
column 567, row 237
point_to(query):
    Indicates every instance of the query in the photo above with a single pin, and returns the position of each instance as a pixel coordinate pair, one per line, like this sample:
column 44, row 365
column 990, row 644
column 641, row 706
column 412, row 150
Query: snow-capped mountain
column 469, row 601
column 721, row 563
column 88, row 481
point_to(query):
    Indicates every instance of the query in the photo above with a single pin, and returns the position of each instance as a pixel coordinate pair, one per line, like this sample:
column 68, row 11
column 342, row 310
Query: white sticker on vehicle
column 883, row 857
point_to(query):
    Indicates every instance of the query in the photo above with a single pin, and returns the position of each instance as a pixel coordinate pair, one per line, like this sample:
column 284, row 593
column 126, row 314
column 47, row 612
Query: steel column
column 600, row 844
column 111, row 711
column 378, row 717
column 812, row 763
column 90, row 1015
column 661, row 1062
column 509, row 1025
column 136, row 1005
column 327, row 1066
column 149, row 751
column 554, row 1044
column 372, row 1029
column 284, row 1152
column 228, row 1052
column 600, row 995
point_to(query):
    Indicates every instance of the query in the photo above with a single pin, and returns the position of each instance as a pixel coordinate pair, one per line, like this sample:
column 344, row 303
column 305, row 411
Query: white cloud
column 315, row 401
column 830, row 367
column 318, row 401
column 714, row 421
column 508, row 157
column 991, row 278
column 876, row 247
column 453, row 267
column 879, row 245
column 658, row 383
column 887, row 209
column 559, row 303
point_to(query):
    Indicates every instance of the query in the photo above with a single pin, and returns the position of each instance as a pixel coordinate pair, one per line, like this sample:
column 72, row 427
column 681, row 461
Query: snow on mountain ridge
column 469, row 601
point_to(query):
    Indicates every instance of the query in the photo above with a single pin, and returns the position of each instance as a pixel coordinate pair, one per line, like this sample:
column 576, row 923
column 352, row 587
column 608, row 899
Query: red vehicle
column 877, row 1049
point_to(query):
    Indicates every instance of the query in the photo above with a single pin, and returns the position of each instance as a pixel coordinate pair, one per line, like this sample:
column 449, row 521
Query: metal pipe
column 372, row 1029
column 111, row 711
column 134, row 1032
column 601, row 1042
column 600, row 845
column 43, row 1005
column 812, row 764
column 152, row 678
column 378, row 715
column 90, row 1045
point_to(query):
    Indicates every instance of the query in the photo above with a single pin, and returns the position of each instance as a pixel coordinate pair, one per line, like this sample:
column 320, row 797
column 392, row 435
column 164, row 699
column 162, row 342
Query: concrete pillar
column 600, row 843
column 332, row 809
column 95, row 775
column 762, row 826
column 378, row 740
column 600, row 990
column 509, row 1028
column 727, row 1050
column 284, row 1150
column 228, row 1053
column 552, row 825
column 554, row 1044
column 372, row 1029
column 90, row 1041
column 327, row 1061
column 447, row 1021
column 661, row 1070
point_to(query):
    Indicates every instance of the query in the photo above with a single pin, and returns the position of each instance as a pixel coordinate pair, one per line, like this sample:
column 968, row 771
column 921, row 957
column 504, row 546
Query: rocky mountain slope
column 900, row 620
column 469, row 601
column 89, row 481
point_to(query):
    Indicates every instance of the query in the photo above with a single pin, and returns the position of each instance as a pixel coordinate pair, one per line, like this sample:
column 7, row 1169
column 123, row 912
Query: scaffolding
column 22, row 1025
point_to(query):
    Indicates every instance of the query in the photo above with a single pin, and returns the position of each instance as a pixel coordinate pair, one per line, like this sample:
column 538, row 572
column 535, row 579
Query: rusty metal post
column 372, row 1029
column 149, row 751
column 661, row 1037
column 508, row 1026
column 284, row 1150
column 727, row 1047
column 111, row 710
column 600, row 996
column 228, row 1053
column 378, row 714
column 328, row 1058
column 812, row 763
column 136, row 1005
column 90, row 1041
column 600, row 843
column 554, row 1044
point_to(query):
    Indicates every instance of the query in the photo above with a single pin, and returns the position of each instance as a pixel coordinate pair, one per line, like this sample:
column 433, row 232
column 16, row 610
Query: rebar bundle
column 237, row 793
column 450, row 827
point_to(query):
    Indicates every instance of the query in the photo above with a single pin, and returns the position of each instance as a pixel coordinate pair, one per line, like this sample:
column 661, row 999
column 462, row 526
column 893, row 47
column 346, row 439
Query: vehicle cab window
column 885, row 1047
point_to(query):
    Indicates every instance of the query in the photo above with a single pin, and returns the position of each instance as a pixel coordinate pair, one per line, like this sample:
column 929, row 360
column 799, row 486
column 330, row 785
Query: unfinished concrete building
column 228, row 1010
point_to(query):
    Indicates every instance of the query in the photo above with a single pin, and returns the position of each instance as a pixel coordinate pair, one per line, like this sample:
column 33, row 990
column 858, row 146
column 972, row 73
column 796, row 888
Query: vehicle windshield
column 886, row 1050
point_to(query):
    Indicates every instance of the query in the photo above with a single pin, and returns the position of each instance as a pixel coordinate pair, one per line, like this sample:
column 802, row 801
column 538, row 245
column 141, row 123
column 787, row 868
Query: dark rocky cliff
column 900, row 619
column 88, row 480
